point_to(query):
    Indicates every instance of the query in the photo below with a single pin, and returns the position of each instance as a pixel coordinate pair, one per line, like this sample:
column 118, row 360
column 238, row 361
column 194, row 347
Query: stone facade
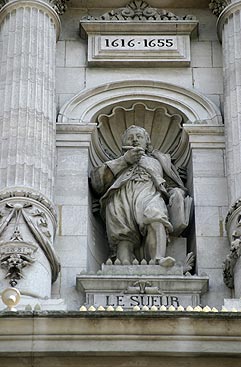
column 73, row 76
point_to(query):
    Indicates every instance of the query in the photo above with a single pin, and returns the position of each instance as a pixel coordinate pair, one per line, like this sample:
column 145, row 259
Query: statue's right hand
column 133, row 155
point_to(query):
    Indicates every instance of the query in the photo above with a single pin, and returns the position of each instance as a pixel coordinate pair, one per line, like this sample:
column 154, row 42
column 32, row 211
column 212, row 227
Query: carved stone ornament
column 2, row 3
column 142, row 287
column 24, row 227
column 217, row 6
column 139, row 10
column 28, row 194
column 14, row 257
column 59, row 6
column 232, row 210
column 233, row 224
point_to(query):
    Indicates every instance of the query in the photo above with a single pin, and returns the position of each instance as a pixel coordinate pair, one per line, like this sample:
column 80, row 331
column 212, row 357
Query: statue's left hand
column 174, row 194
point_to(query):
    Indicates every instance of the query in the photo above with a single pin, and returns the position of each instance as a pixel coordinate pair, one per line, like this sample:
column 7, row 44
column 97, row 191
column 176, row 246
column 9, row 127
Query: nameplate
column 128, row 301
column 141, row 300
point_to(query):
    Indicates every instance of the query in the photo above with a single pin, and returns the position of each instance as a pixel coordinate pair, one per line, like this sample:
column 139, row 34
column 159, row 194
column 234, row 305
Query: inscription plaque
column 138, row 49
column 138, row 43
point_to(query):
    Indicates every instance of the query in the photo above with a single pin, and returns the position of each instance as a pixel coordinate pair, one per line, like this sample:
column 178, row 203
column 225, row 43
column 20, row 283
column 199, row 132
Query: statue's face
column 136, row 138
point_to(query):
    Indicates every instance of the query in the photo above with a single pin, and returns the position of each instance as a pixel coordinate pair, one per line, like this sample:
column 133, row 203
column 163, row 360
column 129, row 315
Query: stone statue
column 136, row 191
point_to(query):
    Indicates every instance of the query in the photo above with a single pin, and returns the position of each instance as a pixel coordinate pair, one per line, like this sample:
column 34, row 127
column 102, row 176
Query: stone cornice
column 59, row 6
column 166, row 333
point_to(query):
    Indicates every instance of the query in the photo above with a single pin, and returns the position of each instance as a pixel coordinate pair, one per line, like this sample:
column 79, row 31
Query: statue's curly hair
column 149, row 147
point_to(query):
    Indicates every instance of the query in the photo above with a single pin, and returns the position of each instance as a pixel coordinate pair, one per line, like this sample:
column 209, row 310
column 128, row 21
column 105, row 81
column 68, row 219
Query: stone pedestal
column 28, row 32
column 141, row 285
column 229, row 31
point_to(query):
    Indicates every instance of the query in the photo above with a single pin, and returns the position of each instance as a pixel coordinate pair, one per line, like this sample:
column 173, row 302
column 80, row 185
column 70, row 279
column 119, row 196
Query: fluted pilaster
column 27, row 93
column 28, row 33
column 229, row 31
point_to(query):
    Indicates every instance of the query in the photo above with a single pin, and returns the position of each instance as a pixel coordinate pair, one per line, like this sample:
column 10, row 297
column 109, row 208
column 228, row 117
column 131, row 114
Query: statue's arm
column 103, row 177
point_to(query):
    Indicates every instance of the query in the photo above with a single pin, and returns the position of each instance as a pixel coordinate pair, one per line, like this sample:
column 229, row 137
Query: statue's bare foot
column 167, row 261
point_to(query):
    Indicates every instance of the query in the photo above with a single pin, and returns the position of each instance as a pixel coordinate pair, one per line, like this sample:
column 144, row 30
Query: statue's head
column 137, row 136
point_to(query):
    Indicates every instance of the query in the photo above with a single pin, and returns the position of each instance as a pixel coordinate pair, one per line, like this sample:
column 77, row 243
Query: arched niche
column 165, row 129
column 165, row 110
column 161, row 108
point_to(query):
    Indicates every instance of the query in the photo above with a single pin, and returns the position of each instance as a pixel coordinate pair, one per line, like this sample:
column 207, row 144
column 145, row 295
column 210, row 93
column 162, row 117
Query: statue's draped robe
column 132, row 196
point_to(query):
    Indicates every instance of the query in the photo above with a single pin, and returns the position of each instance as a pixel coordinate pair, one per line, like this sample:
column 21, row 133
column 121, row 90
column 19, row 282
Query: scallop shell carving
column 165, row 130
